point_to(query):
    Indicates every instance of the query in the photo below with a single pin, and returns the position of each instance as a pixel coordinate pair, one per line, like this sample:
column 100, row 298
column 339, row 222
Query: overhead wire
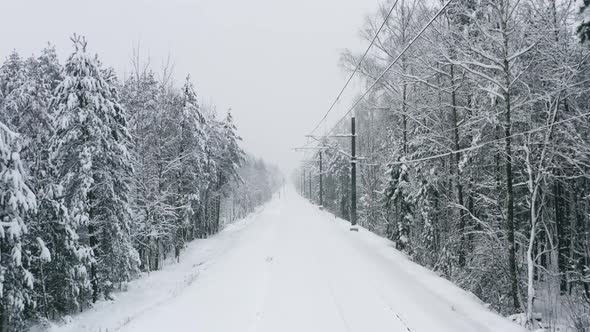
column 481, row 145
column 362, row 97
column 358, row 65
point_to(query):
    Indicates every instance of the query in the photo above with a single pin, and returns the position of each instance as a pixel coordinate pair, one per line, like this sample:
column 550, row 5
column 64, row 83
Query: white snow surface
column 292, row 267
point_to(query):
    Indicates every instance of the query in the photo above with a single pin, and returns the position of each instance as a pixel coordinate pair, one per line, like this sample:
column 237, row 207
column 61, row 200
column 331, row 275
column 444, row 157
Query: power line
column 479, row 146
column 391, row 64
column 356, row 68
column 475, row 147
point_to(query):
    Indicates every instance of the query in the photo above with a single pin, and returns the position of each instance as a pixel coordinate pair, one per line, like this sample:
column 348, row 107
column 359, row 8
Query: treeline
column 253, row 191
column 102, row 179
column 477, row 147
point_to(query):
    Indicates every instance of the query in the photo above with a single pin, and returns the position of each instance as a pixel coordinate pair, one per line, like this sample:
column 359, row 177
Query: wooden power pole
column 310, row 191
column 321, row 186
column 353, row 178
column 303, row 183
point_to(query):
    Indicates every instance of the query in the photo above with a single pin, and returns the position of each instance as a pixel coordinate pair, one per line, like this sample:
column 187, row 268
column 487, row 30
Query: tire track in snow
column 352, row 280
column 339, row 309
column 270, row 238
column 384, row 300
column 322, row 276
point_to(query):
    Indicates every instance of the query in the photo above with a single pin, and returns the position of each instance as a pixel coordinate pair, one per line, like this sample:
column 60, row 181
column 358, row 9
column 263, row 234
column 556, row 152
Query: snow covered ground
column 158, row 287
column 292, row 267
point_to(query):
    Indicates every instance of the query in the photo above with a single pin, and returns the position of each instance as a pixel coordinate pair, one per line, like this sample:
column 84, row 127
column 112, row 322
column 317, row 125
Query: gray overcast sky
column 274, row 62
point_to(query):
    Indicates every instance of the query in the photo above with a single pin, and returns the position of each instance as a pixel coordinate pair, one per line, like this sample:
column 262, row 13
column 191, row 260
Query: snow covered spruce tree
column 11, row 78
column 90, row 153
column 232, row 153
column 190, row 141
column 230, row 157
column 399, row 197
column 59, row 262
column 16, row 201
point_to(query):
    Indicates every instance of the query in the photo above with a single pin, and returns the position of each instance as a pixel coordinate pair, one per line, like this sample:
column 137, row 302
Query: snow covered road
column 296, row 268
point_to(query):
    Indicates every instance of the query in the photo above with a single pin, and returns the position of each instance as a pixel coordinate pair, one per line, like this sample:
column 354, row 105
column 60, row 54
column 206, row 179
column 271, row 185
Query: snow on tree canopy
column 92, row 160
column 16, row 200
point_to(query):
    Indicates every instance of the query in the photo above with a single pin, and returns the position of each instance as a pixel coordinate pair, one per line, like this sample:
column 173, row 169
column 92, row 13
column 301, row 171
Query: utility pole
column 321, row 186
column 303, row 179
column 310, row 192
column 303, row 183
column 353, row 178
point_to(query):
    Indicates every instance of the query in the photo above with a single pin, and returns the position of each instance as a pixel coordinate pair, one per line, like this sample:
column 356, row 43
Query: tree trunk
column 558, row 202
column 509, row 180
column 457, row 159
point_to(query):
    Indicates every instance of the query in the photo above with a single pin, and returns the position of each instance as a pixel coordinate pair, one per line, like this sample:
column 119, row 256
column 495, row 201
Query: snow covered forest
column 102, row 179
column 474, row 150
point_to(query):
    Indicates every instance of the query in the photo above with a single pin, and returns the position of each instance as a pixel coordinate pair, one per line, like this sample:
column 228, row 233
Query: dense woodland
column 102, row 179
column 477, row 151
